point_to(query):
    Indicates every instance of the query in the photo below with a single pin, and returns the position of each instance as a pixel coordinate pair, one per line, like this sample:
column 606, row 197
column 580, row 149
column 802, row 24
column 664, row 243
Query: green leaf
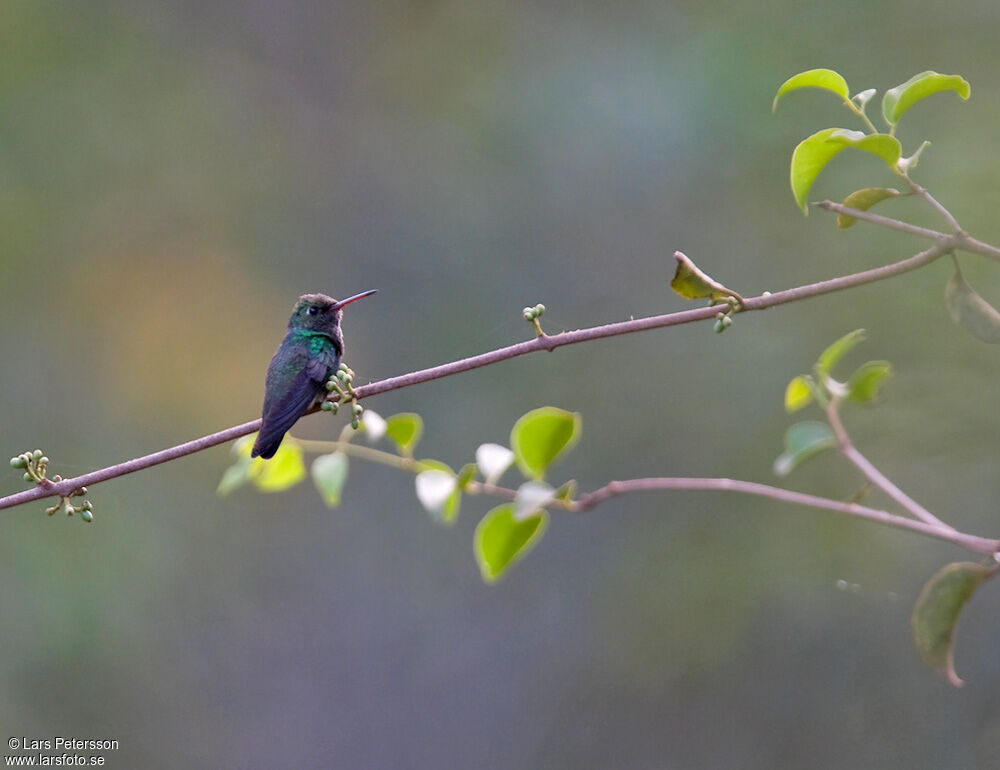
column 864, row 200
column 830, row 357
column 405, row 429
column 899, row 99
column 937, row 611
column 539, row 437
column 818, row 78
column 864, row 384
column 808, row 159
column 447, row 512
column 329, row 473
column 882, row 146
column 802, row 441
column 813, row 153
column 286, row 469
column 691, row 283
column 234, row 477
column 861, row 98
column 567, row 491
column 971, row 311
column 905, row 164
column 798, row 394
column 501, row 539
column 238, row 474
column 466, row 474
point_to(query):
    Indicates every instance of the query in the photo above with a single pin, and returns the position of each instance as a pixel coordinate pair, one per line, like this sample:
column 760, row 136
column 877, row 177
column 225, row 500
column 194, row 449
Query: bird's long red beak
column 349, row 300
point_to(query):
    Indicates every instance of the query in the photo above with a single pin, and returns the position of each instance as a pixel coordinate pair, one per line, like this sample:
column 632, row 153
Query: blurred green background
column 173, row 176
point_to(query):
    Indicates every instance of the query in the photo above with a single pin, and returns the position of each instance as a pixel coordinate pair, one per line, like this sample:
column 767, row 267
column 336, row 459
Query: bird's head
column 320, row 313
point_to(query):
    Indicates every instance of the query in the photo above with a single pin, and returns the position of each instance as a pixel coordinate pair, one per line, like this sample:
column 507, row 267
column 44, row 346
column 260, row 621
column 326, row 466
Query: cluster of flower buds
column 722, row 322
column 533, row 313
column 34, row 464
column 65, row 504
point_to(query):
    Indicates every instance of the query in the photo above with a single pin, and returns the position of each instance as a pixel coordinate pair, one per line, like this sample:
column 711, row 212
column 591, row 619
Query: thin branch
column 874, row 475
column 960, row 240
column 936, row 531
column 544, row 342
column 923, row 193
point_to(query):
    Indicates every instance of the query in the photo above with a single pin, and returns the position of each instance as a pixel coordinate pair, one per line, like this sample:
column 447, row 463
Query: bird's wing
column 283, row 409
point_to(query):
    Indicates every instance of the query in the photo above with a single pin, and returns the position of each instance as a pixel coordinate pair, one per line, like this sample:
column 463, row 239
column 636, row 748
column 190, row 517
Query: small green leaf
column 802, row 441
column 861, row 98
column 818, row 78
column 567, row 491
column 234, row 477
column 864, row 200
column 867, row 380
column 448, row 512
column 539, row 437
column 971, row 311
column 466, row 474
column 905, row 164
column 405, row 429
column 830, row 357
column 501, row 539
column 798, row 394
column 882, row 146
column 286, row 469
column 691, row 283
column 329, row 473
column 899, row 99
column 808, row 159
column 937, row 611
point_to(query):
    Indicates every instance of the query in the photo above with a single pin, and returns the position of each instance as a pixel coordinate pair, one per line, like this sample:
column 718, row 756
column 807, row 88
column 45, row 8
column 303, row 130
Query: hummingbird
column 297, row 375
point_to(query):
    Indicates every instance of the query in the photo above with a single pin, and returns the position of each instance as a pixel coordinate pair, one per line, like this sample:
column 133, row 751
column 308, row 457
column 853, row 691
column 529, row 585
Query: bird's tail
column 265, row 450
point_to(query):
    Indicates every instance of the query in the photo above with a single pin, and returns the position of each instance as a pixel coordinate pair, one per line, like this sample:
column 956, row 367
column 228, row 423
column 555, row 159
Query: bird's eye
column 313, row 310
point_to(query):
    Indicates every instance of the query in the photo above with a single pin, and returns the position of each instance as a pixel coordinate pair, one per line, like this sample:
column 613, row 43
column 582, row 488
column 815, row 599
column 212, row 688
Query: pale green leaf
column 405, row 429
column 867, row 380
column 691, row 283
column 541, row 436
column 286, row 469
column 501, row 539
column 817, row 78
column 802, row 441
column 971, row 311
column 233, row 477
column 808, row 159
column 899, row 99
column 567, row 491
column 864, row 200
column 798, row 394
column 882, row 146
column 905, row 164
column 937, row 611
column 329, row 473
column 466, row 474
column 830, row 357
